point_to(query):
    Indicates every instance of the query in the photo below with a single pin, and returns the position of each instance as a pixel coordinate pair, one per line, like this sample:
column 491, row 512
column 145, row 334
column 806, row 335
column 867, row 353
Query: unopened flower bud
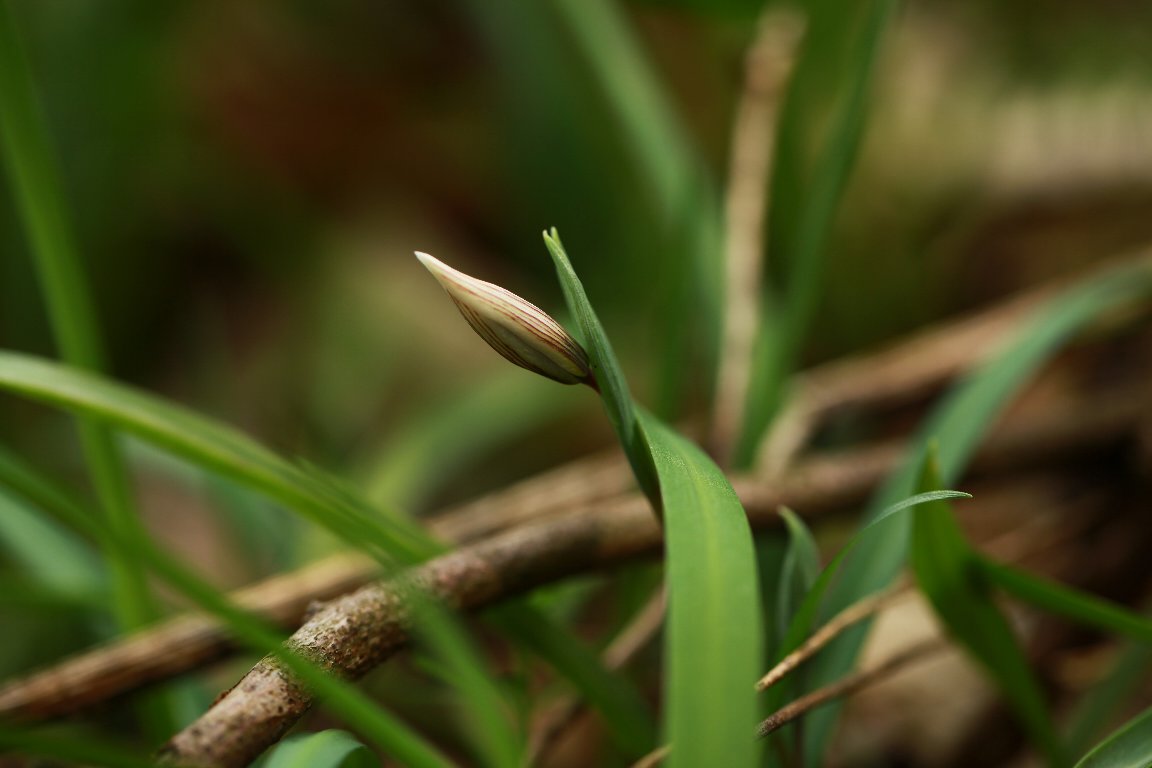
column 519, row 330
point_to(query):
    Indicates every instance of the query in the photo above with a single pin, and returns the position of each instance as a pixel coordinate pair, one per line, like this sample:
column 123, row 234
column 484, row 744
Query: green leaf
column 482, row 707
column 811, row 203
column 799, row 571
column 805, row 616
column 609, row 377
column 959, row 423
column 1065, row 601
column 217, row 447
column 26, row 155
column 714, row 635
column 1098, row 704
column 945, row 569
column 1129, row 747
column 52, row 555
column 686, row 197
column 1093, row 611
column 326, row 749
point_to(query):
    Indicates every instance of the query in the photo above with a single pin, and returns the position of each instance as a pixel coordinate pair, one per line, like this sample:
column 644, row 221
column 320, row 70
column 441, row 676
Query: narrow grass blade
column 1128, row 747
column 1100, row 702
column 481, row 706
column 959, row 423
column 714, row 635
column 686, row 197
column 338, row 695
column 609, row 377
column 52, row 555
column 945, row 569
column 625, row 713
column 214, row 446
column 1065, row 601
column 799, row 571
column 326, row 749
column 1087, row 609
column 24, row 147
column 804, row 255
column 804, row 618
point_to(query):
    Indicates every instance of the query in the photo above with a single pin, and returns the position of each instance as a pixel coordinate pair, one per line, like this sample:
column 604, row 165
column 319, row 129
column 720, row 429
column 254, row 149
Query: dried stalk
column 850, row 616
column 817, row 486
column 767, row 66
column 362, row 630
column 850, row 684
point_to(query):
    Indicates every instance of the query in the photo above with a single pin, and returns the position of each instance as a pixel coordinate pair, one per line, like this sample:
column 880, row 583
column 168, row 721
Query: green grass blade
column 482, row 707
column 326, row 749
column 1099, row 703
column 1087, row 609
column 714, row 633
column 1129, row 747
column 959, row 423
column 605, row 367
column 46, row 551
column 1065, row 601
column 945, row 568
column 625, row 713
column 686, row 197
column 636, row 98
column 25, row 150
column 339, row 696
column 805, row 616
column 799, row 571
column 783, row 331
column 213, row 446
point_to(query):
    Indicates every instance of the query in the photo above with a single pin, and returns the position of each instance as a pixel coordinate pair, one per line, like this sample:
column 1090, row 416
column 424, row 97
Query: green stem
column 36, row 191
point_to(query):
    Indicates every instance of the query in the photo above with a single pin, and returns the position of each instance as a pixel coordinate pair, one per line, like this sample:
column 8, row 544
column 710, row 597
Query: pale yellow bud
column 519, row 330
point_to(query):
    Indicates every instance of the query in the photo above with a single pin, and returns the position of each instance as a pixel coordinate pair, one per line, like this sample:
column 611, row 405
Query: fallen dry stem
column 817, row 486
column 767, row 66
column 853, row 614
column 850, row 684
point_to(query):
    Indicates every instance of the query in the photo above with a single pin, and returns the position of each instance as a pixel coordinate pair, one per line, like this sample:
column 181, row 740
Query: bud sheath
column 517, row 329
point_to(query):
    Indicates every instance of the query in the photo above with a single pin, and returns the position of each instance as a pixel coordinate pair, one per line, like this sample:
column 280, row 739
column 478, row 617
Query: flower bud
column 520, row 331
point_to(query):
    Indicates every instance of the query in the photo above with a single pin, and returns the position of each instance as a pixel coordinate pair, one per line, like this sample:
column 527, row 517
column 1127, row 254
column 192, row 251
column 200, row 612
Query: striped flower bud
column 517, row 329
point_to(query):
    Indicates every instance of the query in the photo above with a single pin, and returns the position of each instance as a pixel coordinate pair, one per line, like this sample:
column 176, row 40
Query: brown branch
column 850, row 684
column 362, row 630
column 909, row 369
column 817, row 486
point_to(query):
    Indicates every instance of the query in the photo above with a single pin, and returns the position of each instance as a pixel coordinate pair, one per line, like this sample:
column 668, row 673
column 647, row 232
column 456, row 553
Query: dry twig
column 853, row 614
column 850, row 684
column 767, row 66
column 817, row 486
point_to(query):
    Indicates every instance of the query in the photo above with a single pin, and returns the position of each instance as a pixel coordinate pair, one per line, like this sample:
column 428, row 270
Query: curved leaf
column 326, row 749
column 1128, row 747
column 714, row 633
